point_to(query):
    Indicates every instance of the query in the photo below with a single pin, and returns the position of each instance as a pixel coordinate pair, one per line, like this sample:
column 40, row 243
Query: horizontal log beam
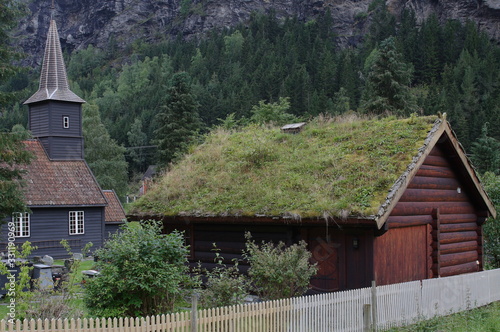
column 423, row 208
column 458, row 258
column 433, row 195
column 451, row 248
column 433, row 160
column 407, row 221
column 435, row 172
column 425, row 182
column 458, row 218
column 459, row 269
column 456, row 237
column 446, row 228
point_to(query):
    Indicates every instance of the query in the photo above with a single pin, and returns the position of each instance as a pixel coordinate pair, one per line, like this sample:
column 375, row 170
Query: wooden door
column 327, row 251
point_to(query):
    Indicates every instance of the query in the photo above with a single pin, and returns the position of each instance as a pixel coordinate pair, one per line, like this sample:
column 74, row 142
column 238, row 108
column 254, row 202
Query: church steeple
column 53, row 79
column 55, row 112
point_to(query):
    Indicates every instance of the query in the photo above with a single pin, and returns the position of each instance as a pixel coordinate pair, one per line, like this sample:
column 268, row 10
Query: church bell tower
column 55, row 112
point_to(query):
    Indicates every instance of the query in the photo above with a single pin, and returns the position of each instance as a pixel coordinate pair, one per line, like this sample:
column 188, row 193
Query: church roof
column 114, row 210
column 59, row 183
column 53, row 78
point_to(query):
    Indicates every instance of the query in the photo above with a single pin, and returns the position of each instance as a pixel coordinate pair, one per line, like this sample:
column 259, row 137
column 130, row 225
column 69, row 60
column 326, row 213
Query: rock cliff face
column 101, row 22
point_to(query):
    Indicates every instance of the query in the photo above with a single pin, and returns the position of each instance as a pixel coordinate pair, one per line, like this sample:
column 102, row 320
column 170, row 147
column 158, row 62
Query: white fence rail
column 396, row 305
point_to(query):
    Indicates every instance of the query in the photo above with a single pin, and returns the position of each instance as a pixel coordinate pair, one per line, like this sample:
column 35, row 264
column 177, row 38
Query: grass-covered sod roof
column 338, row 167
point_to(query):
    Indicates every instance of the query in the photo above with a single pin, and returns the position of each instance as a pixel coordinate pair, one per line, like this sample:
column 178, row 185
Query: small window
column 76, row 223
column 21, row 225
column 65, row 121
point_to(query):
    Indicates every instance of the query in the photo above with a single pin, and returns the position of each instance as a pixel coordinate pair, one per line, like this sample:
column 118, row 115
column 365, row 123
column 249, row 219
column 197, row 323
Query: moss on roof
column 339, row 167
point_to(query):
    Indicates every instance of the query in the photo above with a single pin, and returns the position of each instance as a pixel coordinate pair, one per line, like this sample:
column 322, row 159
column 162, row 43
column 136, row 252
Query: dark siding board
column 60, row 109
column 52, row 224
column 65, row 148
column 110, row 229
column 38, row 120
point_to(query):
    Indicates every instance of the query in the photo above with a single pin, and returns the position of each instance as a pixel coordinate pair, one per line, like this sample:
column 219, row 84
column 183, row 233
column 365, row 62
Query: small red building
column 390, row 200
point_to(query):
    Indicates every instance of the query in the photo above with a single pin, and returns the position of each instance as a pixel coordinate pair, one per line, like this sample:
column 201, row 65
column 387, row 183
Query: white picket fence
column 395, row 305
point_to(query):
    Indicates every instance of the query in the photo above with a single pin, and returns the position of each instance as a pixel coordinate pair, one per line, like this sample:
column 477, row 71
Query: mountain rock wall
column 121, row 22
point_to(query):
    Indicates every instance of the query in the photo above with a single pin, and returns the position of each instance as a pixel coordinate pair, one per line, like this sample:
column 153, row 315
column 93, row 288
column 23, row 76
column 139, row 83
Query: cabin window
column 76, row 222
column 21, row 224
column 66, row 122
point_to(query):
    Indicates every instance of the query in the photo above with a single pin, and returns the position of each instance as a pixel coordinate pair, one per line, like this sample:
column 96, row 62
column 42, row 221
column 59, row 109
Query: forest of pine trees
column 432, row 67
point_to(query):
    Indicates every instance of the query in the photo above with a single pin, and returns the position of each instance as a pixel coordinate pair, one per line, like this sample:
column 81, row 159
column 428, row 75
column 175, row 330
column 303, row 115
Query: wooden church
column 60, row 190
column 390, row 200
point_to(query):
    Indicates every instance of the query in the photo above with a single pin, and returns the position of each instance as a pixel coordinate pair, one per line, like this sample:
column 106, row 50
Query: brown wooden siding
column 402, row 254
column 437, row 198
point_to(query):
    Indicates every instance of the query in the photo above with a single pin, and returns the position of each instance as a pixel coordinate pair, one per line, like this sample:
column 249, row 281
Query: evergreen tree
column 9, row 12
column 341, row 102
column 12, row 155
column 486, row 152
column 430, row 42
column 104, row 156
column 137, row 139
column 276, row 113
column 178, row 121
column 387, row 86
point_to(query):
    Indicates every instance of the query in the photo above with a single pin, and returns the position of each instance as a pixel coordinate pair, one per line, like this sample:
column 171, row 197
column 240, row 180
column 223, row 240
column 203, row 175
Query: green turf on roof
column 342, row 167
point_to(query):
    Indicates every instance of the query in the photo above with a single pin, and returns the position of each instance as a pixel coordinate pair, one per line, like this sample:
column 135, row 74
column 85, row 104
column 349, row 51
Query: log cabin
column 62, row 194
column 390, row 200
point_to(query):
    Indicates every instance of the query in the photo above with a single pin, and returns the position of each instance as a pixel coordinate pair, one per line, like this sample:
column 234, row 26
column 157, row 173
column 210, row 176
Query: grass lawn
column 484, row 319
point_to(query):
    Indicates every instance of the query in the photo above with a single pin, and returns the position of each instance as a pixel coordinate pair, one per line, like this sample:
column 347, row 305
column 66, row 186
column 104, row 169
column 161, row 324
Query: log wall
column 438, row 199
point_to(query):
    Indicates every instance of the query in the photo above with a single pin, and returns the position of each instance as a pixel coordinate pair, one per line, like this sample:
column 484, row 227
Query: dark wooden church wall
column 48, row 226
column 436, row 197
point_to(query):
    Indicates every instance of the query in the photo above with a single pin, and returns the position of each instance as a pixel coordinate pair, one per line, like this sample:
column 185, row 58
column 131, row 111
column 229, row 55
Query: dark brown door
column 327, row 252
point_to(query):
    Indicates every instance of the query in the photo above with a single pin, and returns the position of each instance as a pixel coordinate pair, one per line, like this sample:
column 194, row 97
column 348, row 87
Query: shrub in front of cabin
column 278, row 271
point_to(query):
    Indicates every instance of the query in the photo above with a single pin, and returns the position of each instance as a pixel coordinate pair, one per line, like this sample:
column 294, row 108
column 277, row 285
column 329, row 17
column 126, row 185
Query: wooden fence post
column 367, row 318
column 194, row 312
column 374, row 306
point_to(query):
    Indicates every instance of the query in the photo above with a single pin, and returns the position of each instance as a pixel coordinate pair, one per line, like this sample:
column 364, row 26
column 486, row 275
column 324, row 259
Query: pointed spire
column 53, row 79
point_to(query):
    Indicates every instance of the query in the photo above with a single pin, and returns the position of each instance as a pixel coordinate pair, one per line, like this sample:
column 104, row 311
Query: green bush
column 142, row 272
column 224, row 286
column 277, row 271
column 491, row 228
